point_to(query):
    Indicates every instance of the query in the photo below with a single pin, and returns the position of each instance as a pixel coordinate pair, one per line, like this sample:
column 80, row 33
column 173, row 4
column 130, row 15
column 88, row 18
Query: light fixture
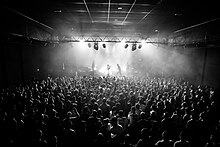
column 57, row 11
column 89, row 45
column 104, row 45
column 96, row 46
column 134, row 47
column 126, row 45
column 139, row 46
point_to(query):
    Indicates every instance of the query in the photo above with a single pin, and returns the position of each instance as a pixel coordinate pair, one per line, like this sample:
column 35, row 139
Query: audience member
column 109, row 111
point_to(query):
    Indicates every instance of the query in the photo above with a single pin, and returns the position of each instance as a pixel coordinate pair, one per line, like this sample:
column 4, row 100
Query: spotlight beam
column 129, row 12
column 88, row 10
column 31, row 19
column 109, row 7
column 150, row 12
column 196, row 25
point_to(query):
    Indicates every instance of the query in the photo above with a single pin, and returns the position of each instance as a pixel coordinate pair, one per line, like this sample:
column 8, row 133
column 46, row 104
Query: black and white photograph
column 109, row 73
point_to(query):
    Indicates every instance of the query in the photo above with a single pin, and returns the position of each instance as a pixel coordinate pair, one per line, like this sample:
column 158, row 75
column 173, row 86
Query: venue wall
column 21, row 62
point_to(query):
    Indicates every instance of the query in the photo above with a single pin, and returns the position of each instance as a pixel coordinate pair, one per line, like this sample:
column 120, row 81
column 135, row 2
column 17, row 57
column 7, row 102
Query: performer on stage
column 119, row 70
column 108, row 70
column 93, row 68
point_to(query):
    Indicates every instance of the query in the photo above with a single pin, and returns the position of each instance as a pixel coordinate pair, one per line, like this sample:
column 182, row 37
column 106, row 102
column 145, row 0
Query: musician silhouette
column 108, row 70
column 119, row 70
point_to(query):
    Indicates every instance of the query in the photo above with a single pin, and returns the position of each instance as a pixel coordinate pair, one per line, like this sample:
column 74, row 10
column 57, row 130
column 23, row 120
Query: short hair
column 165, row 135
column 127, row 137
column 114, row 120
column 104, row 100
column 142, row 115
column 94, row 113
column 182, row 135
column 120, row 112
column 106, row 120
column 144, row 132
column 137, row 105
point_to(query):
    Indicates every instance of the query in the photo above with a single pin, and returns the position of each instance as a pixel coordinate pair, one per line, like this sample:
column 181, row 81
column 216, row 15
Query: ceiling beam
column 99, row 11
column 116, row 4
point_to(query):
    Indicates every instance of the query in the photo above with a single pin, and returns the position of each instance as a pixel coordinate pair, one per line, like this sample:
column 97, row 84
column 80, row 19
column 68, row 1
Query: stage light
column 103, row 45
column 89, row 45
column 126, row 45
column 140, row 46
column 134, row 47
column 96, row 46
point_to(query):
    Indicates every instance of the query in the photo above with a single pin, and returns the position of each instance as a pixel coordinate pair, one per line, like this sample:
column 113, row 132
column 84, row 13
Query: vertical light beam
column 109, row 7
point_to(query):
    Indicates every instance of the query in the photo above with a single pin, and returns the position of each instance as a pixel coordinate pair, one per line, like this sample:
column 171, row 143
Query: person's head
column 114, row 121
column 39, row 134
column 153, row 114
column 127, row 138
column 99, row 112
column 106, row 121
column 69, row 114
column 133, row 109
column 137, row 106
column 165, row 115
column 144, row 133
column 104, row 100
column 94, row 113
column 52, row 140
column 114, row 108
column 165, row 135
column 117, row 105
column 120, row 113
column 182, row 135
column 202, row 115
column 121, row 95
column 194, row 116
column 142, row 115
column 100, row 137
column 54, row 112
column 93, row 100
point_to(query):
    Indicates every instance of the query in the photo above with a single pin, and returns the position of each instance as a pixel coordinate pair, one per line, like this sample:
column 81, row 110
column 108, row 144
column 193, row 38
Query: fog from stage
column 150, row 59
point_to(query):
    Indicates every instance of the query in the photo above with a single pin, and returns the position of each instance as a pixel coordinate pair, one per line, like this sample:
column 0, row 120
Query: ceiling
column 112, row 20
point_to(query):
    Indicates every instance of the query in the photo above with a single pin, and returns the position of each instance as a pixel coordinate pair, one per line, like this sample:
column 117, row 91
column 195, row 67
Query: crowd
column 109, row 111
